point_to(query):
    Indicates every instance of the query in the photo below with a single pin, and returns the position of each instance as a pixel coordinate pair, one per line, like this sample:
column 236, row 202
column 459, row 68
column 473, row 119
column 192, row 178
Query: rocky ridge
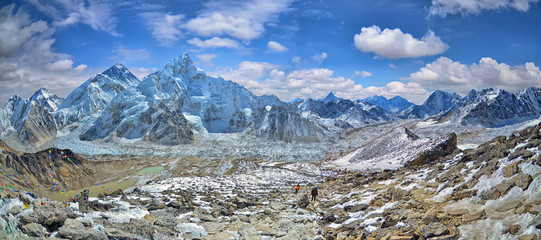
column 492, row 192
column 35, row 168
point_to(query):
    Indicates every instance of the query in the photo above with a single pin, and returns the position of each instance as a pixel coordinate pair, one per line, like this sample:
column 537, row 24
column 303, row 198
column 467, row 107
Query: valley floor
column 491, row 192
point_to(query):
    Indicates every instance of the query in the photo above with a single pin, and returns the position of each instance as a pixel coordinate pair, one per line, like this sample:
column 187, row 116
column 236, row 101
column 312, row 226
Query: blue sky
column 289, row 48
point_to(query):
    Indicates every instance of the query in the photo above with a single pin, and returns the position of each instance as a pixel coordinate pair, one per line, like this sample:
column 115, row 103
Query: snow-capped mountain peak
column 40, row 94
column 121, row 74
column 270, row 100
column 438, row 102
column 93, row 95
column 393, row 105
column 46, row 99
column 181, row 66
column 330, row 97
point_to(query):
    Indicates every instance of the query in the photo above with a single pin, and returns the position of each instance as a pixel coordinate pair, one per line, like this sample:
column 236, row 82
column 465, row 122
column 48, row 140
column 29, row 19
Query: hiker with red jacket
column 297, row 188
column 314, row 193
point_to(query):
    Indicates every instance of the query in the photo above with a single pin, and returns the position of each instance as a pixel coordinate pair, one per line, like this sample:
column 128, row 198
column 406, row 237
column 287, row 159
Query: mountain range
column 178, row 103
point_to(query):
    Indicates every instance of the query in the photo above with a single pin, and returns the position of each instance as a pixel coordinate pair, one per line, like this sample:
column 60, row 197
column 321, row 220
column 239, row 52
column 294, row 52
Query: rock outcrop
column 492, row 192
column 34, row 168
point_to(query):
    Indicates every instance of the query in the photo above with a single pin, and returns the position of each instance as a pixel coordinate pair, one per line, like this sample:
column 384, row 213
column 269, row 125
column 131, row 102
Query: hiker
column 314, row 193
column 297, row 188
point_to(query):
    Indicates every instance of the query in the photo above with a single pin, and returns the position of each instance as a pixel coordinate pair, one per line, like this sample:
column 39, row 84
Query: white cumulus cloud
column 264, row 78
column 165, row 27
column 320, row 57
column 60, row 65
column 363, row 74
column 452, row 7
column 214, row 42
column 243, row 20
column 206, row 59
column 446, row 74
column 276, row 47
column 99, row 15
column 28, row 60
column 16, row 29
column 296, row 60
column 393, row 43
column 81, row 67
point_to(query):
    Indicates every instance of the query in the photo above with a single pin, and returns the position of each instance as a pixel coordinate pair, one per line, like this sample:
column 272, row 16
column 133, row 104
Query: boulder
column 213, row 227
column 117, row 234
column 511, row 170
column 355, row 208
column 522, row 180
column 249, row 232
column 304, row 201
column 504, row 187
column 74, row 229
column 165, row 233
column 138, row 227
column 434, row 229
column 528, row 237
column 525, row 154
column 277, row 206
column 52, row 215
column 513, row 230
column 34, row 230
column 219, row 236
column 490, row 194
column 242, row 202
column 461, row 194
column 175, row 204
column 342, row 235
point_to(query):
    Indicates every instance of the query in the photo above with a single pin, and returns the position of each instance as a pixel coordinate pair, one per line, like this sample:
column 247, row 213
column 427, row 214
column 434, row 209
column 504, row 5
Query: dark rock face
column 38, row 127
column 32, row 118
column 161, row 123
column 34, row 167
column 286, row 124
column 436, row 103
column 505, row 108
column 438, row 152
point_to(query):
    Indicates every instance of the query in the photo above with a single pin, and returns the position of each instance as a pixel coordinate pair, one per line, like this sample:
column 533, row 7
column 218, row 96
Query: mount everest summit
column 178, row 104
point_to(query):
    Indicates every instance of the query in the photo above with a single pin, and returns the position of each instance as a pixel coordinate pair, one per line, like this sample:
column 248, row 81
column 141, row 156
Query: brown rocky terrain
column 35, row 168
column 491, row 192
